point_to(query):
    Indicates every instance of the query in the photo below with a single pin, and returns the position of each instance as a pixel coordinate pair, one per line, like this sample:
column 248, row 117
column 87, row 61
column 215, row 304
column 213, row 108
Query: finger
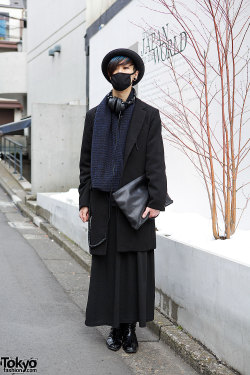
column 145, row 213
column 150, row 216
column 83, row 217
column 86, row 217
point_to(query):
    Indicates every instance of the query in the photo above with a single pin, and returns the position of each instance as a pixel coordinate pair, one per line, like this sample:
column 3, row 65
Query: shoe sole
column 130, row 351
column 114, row 349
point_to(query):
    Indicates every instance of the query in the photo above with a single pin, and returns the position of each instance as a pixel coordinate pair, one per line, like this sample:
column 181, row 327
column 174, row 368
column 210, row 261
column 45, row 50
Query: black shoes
column 124, row 336
column 129, row 342
column 114, row 340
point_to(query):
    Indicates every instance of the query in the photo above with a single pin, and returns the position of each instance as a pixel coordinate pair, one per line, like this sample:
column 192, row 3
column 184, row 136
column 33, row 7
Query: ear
column 137, row 71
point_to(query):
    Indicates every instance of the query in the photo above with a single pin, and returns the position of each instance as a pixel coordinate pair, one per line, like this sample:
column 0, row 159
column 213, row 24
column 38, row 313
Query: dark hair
column 117, row 60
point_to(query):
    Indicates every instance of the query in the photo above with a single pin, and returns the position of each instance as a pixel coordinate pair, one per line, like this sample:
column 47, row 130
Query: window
column 4, row 26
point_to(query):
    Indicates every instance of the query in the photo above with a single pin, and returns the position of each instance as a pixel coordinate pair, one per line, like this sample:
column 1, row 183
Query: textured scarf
column 106, row 158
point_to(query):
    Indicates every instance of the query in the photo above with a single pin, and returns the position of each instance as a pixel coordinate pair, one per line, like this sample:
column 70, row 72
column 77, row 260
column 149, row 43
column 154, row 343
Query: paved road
column 43, row 295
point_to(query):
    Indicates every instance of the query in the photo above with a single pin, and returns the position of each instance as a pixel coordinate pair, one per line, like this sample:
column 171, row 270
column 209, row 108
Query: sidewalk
column 54, row 286
column 38, row 319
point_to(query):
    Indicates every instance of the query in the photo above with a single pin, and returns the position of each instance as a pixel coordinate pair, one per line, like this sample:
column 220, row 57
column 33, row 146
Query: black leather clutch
column 132, row 199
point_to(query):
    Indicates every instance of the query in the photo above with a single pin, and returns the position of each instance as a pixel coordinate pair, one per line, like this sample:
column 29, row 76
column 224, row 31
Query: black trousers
column 122, row 285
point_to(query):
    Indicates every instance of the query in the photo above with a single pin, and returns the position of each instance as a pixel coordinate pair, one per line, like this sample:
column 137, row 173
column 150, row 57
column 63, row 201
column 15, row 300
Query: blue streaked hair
column 117, row 60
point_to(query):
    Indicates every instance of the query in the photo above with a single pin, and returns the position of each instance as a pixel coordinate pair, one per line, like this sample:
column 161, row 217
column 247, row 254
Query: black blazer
column 144, row 153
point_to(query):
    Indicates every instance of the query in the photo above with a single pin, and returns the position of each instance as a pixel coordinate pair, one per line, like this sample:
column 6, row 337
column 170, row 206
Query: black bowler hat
column 128, row 53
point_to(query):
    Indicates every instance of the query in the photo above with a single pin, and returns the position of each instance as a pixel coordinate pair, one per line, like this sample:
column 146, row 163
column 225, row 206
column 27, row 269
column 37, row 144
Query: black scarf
column 106, row 158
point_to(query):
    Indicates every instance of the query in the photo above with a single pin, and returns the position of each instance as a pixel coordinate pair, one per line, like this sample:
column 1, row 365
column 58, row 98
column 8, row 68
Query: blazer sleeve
column 85, row 162
column 155, row 165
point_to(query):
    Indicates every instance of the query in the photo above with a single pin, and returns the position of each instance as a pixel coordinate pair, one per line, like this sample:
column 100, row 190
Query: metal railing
column 7, row 154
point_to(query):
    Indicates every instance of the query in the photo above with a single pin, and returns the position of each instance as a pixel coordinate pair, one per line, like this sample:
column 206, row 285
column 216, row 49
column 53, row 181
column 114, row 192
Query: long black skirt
column 122, row 285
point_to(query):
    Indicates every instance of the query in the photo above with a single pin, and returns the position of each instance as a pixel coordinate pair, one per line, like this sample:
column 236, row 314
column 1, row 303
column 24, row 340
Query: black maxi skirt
column 122, row 285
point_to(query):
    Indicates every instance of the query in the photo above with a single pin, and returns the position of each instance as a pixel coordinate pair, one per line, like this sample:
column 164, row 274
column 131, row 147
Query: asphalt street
column 43, row 293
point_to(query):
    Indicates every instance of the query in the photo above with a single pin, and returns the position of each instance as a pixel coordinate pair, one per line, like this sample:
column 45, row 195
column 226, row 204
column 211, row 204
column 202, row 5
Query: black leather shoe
column 129, row 342
column 114, row 340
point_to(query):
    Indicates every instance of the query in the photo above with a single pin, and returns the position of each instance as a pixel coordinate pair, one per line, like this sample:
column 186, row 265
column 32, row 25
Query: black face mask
column 121, row 81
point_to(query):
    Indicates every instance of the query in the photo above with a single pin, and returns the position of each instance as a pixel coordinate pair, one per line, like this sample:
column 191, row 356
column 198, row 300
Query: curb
column 83, row 258
column 192, row 351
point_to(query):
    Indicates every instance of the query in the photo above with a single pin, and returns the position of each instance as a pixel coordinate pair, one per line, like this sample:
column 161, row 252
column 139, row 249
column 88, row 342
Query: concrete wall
column 55, row 146
column 208, row 296
column 58, row 79
column 53, row 83
column 64, row 215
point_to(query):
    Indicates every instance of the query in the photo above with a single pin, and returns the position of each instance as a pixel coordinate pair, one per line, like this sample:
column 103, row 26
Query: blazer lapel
column 136, row 123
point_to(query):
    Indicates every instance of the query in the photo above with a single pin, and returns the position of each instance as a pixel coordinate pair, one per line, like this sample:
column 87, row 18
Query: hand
column 84, row 214
column 152, row 212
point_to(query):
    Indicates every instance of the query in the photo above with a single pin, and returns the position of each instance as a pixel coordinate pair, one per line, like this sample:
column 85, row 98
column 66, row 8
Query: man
column 121, row 141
